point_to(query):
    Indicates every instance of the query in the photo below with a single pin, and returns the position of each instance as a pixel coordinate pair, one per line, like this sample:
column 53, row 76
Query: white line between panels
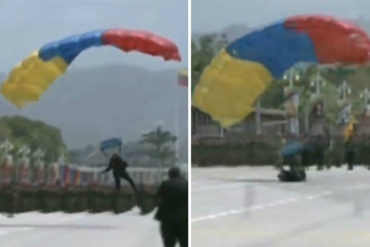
column 277, row 203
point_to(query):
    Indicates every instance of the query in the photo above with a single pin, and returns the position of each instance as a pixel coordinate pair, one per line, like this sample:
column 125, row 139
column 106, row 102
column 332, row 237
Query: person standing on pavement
column 173, row 209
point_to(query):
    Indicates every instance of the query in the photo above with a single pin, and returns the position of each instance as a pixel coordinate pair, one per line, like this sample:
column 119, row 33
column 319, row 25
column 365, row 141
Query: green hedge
column 265, row 153
column 252, row 153
column 362, row 153
column 17, row 200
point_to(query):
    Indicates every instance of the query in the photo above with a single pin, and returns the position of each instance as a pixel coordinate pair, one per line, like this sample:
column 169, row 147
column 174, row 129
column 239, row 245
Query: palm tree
column 162, row 141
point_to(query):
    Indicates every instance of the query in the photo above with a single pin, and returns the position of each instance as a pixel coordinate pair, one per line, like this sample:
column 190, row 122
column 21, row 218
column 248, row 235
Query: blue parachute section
column 111, row 143
column 69, row 48
column 292, row 148
column 276, row 47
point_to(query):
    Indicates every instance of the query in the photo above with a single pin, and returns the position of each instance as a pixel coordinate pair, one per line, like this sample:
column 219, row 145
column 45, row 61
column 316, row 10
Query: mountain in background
column 231, row 33
column 92, row 104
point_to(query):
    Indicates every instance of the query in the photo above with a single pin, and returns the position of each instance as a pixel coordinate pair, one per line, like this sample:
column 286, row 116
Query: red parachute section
column 330, row 35
column 146, row 42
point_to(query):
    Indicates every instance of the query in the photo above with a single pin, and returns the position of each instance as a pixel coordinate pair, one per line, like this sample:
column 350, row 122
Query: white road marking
column 273, row 204
column 217, row 187
column 242, row 210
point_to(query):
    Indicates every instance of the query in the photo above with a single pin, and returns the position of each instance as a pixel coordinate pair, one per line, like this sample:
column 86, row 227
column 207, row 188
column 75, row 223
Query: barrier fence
column 70, row 188
column 22, row 173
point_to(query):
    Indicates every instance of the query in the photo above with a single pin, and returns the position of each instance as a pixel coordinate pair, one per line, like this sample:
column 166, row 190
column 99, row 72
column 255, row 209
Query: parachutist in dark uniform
column 173, row 209
column 296, row 170
column 118, row 165
column 292, row 156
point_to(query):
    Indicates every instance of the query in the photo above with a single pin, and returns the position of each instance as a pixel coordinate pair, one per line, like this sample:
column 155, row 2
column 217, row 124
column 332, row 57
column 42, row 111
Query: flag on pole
column 183, row 78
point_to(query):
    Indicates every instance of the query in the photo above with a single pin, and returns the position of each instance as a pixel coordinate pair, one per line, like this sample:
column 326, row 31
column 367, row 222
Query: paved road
column 79, row 230
column 242, row 207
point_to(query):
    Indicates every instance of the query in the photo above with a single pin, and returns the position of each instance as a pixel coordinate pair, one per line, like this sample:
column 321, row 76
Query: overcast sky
column 213, row 15
column 28, row 24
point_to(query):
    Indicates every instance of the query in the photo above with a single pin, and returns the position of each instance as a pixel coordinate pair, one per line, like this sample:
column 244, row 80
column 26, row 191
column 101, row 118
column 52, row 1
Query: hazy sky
column 28, row 24
column 212, row 15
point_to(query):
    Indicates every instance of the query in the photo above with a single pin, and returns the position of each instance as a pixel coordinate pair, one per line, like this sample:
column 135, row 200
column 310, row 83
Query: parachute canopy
column 34, row 75
column 242, row 71
column 292, row 149
column 111, row 143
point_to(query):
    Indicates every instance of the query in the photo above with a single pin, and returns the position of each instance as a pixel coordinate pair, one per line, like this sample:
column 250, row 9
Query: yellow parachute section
column 31, row 78
column 349, row 129
column 228, row 86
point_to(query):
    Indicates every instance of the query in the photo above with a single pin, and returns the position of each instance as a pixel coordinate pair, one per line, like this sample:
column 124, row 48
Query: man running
column 118, row 165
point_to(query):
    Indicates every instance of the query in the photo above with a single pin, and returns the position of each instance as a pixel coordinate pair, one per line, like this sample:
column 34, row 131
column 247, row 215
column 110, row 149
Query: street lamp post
column 317, row 83
column 38, row 165
column 293, row 120
column 365, row 94
column 22, row 153
column 38, row 155
column 344, row 91
column 6, row 146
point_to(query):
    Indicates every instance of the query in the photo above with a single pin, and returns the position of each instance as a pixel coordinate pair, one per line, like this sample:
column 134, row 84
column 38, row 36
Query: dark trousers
column 350, row 158
column 123, row 174
column 174, row 232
